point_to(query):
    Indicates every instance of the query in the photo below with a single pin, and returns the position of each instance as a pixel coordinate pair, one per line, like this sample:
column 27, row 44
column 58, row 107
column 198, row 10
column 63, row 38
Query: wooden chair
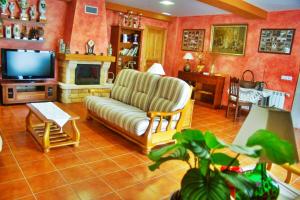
column 233, row 97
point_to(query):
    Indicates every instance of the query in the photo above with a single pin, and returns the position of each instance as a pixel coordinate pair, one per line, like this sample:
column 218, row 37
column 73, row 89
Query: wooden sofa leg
column 146, row 151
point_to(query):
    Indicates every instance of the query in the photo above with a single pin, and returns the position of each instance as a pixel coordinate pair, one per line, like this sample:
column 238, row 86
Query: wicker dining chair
column 233, row 98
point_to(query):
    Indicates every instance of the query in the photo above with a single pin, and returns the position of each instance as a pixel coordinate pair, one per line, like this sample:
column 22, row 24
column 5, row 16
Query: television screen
column 27, row 64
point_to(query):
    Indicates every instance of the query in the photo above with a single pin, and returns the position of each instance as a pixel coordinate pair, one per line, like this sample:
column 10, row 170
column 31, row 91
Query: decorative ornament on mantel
column 42, row 10
column 130, row 19
column 23, row 4
column 90, row 48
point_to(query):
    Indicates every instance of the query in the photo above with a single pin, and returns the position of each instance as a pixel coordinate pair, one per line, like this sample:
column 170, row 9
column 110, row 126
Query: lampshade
column 188, row 56
column 157, row 68
column 277, row 121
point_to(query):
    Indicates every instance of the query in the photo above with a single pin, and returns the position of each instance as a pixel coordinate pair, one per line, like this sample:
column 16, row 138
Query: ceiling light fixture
column 167, row 2
column 165, row 13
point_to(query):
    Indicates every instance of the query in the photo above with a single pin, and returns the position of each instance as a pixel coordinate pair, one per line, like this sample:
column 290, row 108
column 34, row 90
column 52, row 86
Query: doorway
column 296, row 107
column 154, row 46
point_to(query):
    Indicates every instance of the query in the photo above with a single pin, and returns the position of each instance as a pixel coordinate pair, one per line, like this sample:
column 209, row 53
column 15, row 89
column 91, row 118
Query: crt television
column 20, row 64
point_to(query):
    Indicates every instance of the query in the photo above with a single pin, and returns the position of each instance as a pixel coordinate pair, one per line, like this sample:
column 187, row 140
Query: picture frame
column 277, row 41
column 229, row 39
column 193, row 39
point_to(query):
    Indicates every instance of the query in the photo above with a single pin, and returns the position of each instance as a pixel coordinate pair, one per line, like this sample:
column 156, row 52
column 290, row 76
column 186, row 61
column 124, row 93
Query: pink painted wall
column 87, row 26
column 266, row 67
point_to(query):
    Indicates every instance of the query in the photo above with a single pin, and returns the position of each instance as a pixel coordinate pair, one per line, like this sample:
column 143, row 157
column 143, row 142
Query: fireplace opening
column 87, row 74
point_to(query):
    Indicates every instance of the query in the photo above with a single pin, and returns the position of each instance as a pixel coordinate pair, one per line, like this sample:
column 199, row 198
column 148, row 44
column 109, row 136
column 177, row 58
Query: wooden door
column 154, row 46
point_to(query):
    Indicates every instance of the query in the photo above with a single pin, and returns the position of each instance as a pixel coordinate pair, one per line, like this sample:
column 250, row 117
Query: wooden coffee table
column 48, row 133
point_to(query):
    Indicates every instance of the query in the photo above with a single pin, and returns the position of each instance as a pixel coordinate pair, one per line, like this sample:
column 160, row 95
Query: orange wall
column 266, row 67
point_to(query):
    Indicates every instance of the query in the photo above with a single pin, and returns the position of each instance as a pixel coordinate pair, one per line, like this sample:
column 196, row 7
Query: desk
column 208, row 88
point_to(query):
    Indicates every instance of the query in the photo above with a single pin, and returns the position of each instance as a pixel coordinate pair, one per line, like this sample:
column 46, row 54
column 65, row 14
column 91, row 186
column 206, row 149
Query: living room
column 107, row 88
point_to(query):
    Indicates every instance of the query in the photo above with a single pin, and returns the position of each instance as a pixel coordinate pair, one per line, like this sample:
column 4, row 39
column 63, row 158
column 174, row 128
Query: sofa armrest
column 163, row 115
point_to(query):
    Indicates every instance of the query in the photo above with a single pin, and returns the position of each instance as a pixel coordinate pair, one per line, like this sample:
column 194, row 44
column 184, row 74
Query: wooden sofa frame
column 151, row 139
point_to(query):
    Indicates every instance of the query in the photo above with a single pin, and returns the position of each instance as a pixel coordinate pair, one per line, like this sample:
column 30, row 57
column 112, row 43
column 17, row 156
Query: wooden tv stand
column 13, row 93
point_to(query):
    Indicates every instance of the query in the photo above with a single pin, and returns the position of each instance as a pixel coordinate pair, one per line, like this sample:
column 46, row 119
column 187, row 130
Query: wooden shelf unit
column 118, row 45
column 208, row 89
column 13, row 93
column 23, row 22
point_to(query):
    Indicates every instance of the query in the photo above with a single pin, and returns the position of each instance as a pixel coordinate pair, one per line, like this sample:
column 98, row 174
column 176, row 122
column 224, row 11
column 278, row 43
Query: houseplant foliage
column 201, row 151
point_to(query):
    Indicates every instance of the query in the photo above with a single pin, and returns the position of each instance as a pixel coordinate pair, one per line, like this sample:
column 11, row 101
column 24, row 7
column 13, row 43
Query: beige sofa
column 145, row 108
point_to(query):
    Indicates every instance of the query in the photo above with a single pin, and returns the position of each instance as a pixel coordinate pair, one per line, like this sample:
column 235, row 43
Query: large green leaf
column 213, row 142
column 223, row 159
column 242, row 183
column 198, row 149
column 189, row 135
column 194, row 186
column 275, row 149
column 157, row 154
column 180, row 153
column 204, row 166
column 253, row 151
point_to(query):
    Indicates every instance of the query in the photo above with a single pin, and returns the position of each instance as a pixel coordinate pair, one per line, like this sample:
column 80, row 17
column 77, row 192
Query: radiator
column 277, row 99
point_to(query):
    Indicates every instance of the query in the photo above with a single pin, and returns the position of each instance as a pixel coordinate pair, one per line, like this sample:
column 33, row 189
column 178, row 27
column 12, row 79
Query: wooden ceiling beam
column 146, row 13
column 239, row 7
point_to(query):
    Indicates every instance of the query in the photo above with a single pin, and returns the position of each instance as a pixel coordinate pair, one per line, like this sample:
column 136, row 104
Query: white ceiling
column 194, row 7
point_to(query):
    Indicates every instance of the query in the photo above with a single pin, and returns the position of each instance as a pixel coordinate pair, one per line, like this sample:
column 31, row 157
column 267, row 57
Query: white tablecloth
column 253, row 95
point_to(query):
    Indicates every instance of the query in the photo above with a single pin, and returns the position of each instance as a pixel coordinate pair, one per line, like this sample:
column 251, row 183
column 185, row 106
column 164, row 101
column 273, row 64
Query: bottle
column 109, row 50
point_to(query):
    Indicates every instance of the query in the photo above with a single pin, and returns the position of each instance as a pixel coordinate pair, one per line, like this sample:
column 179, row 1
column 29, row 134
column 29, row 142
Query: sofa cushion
column 128, row 117
column 143, row 90
column 171, row 94
column 123, row 85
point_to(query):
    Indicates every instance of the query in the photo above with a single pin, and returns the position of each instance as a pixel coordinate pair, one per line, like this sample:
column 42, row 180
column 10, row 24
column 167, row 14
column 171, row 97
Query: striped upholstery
column 143, row 90
column 123, row 85
column 123, row 115
column 171, row 94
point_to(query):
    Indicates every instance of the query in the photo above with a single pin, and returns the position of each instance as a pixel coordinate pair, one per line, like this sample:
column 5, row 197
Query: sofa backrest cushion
column 123, row 85
column 171, row 94
column 143, row 90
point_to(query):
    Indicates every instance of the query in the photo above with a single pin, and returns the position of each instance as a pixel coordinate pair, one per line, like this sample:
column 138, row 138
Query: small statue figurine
column 109, row 50
column 40, row 33
column 62, row 46
column 3, row 4
column 32, row 12
column 17, row 31
column 42, row 10
column 11, row 8
column 90, row 47
column 8, row 32
column 24, row 33
column 23, row 4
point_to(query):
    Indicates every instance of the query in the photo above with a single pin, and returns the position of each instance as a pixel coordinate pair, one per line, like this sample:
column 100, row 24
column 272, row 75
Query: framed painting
column 276, row 41
column 229, row 39
column 193, row 39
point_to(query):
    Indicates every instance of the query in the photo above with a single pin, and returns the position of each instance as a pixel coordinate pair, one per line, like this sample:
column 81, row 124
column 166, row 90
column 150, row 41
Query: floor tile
column 111, row 196
column 7, row 159
column 45, row 181
column 114, row 150
column 142, row 172
column 65, row 161
column 163, row 186
column 10, row 173
column 33, row 168
column 91, row 189
column 14, row 189
column 127, row 160
column 77, row 173
column 63, row 193
column 91, row 155
column 103, row 167
column 119, row 180
column 138, row 192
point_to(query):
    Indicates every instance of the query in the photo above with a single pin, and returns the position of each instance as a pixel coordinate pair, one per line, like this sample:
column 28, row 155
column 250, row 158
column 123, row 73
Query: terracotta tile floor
column 104, row 166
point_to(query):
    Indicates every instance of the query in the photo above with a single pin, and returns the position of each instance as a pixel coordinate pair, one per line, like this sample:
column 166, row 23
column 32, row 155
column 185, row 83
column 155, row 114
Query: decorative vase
column 267, row 188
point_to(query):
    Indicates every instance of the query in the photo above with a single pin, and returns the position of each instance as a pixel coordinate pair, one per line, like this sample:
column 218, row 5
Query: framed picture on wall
column 229, row 39
column 276, row 41
column 193, row 39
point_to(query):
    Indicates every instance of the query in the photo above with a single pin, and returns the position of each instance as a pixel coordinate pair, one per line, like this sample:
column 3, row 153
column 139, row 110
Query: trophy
column 11, row 8
column 3, row 4
column 17, row 31
column 42, row 9
column 8, row 32
column 32, row 12
column 23, row 4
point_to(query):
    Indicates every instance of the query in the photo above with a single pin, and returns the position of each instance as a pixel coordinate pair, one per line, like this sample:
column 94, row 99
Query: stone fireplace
column 82, row 75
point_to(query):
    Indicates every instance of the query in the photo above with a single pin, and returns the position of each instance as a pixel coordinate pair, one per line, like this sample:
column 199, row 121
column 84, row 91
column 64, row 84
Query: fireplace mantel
column 82, row 57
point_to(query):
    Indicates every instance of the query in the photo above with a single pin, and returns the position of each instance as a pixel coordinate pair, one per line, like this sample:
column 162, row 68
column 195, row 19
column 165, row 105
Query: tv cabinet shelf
column 15, row 92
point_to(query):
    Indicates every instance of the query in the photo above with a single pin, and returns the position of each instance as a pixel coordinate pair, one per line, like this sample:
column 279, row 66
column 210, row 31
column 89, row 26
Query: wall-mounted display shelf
column 23, row 22
column 21, row 40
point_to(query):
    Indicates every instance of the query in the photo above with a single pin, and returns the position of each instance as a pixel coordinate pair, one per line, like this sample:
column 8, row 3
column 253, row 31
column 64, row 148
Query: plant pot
column 176, row 195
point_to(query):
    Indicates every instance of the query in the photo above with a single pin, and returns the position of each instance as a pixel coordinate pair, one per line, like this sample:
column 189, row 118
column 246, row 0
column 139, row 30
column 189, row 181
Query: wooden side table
column 48, row 134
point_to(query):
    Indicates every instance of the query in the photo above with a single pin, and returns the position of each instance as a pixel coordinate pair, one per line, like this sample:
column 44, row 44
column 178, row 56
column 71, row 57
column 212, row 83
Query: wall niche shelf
column 23, row 22
column 20, row 40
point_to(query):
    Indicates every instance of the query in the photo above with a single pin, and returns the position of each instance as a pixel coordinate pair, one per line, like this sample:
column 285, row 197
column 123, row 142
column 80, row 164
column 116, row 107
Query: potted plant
column 203, row 154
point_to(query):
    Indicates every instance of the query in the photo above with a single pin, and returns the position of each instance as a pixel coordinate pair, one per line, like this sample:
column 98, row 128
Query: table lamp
column 157, row 68
column 188, row 56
